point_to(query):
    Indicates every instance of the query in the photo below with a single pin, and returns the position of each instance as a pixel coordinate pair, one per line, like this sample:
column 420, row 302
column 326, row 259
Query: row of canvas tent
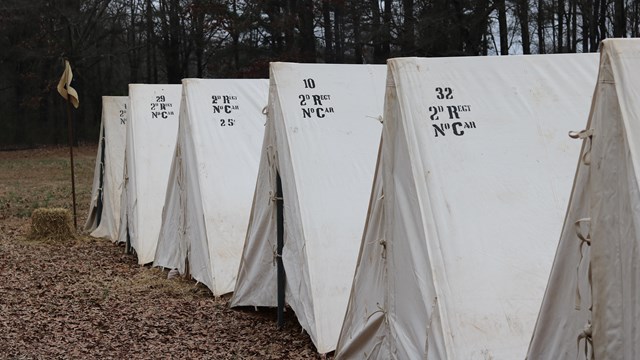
column 467, row 192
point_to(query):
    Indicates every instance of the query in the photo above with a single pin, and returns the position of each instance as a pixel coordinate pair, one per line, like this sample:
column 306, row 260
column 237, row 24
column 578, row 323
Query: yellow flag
column 64, row 85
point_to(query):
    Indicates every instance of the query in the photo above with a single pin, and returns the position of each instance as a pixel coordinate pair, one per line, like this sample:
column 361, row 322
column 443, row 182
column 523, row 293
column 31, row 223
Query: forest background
column 111, row 43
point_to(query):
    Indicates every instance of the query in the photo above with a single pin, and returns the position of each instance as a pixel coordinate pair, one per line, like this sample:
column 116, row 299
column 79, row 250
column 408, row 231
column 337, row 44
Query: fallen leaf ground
column 86, row 298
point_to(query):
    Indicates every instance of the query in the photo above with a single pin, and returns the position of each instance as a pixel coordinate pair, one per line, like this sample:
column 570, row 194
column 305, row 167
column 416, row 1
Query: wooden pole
column 73, row 178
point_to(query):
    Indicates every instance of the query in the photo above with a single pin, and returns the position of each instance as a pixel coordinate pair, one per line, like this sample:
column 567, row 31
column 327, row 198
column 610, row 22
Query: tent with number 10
column 320, row 145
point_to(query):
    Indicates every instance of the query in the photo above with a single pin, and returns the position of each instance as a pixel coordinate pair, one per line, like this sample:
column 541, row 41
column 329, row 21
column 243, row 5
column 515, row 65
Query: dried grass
column 153, row 282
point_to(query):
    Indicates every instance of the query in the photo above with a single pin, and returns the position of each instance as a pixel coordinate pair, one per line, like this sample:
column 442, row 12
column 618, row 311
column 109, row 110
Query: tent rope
column 379, row 118
column 272, row 197
column 584, row 134
column 380, row 310
column 584, row 239
column 275, row 255
column 433, row 309
column 586, row 334
column 383, row 243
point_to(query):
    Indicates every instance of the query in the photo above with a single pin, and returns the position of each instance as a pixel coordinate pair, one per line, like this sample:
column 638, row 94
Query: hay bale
column 52, row 225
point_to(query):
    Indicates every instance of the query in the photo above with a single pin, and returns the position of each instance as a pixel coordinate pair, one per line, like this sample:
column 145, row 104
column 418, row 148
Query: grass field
column 85, row 298
column 41, row 178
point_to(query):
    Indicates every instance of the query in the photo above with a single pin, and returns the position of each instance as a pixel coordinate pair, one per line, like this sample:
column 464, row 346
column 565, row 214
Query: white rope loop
column 586, row 335
column 584, row 239
column 584, row 134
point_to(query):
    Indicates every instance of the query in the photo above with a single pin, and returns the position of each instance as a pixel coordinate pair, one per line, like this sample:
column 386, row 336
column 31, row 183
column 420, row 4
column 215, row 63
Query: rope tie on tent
column 265, row 112
column 271, row 161
column 380, row 310
column 272, row 197
column 433, row 309
column 383, row 242
column 379, row 118
column 586, row 334
column 275, row 256
column 102, row 170
column 584, row 134
column 584, row 239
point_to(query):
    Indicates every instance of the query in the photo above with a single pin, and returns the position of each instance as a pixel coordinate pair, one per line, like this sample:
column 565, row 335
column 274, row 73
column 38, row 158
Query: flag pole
column 67, row 92
column 73, row 178
column 70, row 94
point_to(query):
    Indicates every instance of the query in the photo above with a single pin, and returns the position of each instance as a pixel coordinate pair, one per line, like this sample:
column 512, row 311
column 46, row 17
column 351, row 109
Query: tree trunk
column 307, row 36
column 634, row 20
column 477, row 39
column 134, row 62
column 339, row 32
column 386, row 36
column 357, row 40
column 408, row 40
column 289, row 25
column 174, row 73
column 523, row 16
column 328, row 32
column 150, row 39
column 235, row 36
column 378, row 56
column 574, row 26
column 586, row 15
column 593, row 31
column 198, row 36
column 569, row 31
column 170, row 29
column 560, row 17
column 619, row 20
column 603, row 20
column 502, row 25
column 540, row 23
column 460, row 29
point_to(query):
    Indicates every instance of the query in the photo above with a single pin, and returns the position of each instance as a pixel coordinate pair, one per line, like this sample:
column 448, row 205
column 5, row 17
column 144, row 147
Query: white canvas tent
column 595, row 276
column 471, row 186
column 104, row 210
column 152, row 131
column 322, row 134
column 212, row 179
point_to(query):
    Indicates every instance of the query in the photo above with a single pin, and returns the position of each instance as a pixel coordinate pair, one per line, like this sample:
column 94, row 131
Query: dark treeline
column 111, row 43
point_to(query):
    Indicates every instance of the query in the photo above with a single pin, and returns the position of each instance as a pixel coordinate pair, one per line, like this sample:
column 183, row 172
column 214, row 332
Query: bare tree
column 502, row 26
column 522, row 10
column 619, row 19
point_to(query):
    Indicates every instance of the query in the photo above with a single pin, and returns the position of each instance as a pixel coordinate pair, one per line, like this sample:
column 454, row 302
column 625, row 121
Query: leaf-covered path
column 87, row 299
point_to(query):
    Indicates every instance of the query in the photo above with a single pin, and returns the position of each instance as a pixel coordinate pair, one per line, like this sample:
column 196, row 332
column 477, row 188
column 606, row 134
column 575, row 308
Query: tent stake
column 280, row 245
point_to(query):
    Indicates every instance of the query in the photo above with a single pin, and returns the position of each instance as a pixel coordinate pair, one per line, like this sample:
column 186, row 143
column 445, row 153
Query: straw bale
column 51, row 225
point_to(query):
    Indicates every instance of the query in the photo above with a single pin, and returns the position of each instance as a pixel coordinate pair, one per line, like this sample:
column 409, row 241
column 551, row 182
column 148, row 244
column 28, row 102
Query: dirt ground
column 86, row 298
